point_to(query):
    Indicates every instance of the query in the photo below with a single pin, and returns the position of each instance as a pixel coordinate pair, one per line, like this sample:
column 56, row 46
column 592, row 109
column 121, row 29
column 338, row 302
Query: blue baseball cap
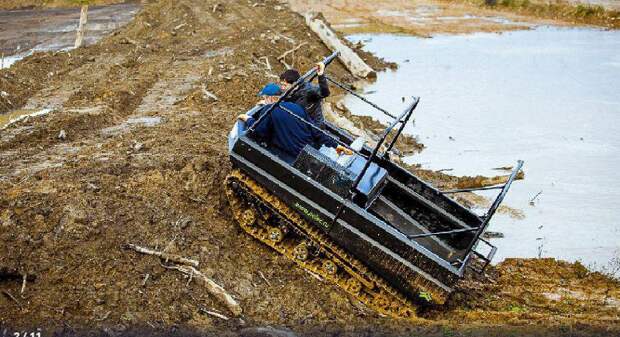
column 270, row 89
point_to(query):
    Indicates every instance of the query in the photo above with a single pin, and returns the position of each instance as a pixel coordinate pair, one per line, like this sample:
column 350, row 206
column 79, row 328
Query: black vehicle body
column 403, row 229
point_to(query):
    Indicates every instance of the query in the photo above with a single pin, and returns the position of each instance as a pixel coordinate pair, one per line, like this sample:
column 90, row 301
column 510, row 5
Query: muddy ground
column 30, row 4
column 430, row 17
column 135, row 152
column 54, row 29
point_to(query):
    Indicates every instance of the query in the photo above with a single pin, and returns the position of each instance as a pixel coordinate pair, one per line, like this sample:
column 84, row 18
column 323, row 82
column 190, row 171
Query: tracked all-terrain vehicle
column 361, row 222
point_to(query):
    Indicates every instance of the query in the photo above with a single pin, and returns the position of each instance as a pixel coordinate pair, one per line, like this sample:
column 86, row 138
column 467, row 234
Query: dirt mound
column 144, row 116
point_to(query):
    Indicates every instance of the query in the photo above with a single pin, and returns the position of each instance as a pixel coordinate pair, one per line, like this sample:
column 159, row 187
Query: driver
column 309, row 96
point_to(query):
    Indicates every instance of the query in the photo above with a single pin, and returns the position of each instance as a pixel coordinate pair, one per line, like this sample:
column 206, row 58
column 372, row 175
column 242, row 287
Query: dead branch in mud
column 264, row 278
column 212, row 288
column 164, row 256
column 215, row 314
column 24, row 279
column 282, row 58
column 207, row 94
column 291, row 40
column 266, row 62
column 9, row 295
column 104, row 317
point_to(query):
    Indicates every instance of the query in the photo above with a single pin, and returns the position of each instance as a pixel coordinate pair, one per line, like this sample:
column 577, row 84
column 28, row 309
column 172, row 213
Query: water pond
column 549, row 96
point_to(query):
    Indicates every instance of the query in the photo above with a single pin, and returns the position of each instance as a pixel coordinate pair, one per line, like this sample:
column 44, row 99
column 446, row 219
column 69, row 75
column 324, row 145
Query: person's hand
column 341, row 149
column 320, row 68
column 243, row 117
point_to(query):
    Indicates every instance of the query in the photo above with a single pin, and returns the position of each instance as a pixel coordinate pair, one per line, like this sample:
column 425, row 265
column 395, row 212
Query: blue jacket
column 287, row 133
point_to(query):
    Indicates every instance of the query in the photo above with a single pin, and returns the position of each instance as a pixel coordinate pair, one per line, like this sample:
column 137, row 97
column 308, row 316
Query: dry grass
column 556, row 10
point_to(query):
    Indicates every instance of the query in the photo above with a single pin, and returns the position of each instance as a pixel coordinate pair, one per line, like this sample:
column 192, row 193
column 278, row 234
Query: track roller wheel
column 406, row 312
column 275, row 234
column 248, row 217
column 354, row 285
column 382, row 302
column 265, row 217
column 330, row 267
column 301, row 252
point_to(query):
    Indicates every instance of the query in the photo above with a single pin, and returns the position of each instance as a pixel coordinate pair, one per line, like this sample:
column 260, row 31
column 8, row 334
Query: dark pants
column 287, row 157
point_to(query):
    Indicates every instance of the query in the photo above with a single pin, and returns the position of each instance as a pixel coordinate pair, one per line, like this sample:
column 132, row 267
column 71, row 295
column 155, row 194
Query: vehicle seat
column 323, row 168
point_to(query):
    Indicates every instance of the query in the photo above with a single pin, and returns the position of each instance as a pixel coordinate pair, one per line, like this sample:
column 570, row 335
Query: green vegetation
column 517, row 309
column 580, row 270
column 426, row 296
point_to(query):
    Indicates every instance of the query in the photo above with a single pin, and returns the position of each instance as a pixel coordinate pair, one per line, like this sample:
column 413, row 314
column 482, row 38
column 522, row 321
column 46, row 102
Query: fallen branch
column 208, row 94
column 104, row 317
column 164, row 256
column 179, row 26
column 213, row 313
column 264, row 278
column 286, row 38
column 24, row 279
column 291, row 50
column 212, row 288
column 282, row 58
column 8, row 294
column 267, row 64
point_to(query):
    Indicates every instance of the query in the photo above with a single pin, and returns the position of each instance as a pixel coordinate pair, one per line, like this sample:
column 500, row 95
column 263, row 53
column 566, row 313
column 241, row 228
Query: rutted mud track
column 143, row 162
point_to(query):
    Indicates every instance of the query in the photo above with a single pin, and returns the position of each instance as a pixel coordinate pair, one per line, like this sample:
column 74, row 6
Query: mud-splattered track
column 143, row 162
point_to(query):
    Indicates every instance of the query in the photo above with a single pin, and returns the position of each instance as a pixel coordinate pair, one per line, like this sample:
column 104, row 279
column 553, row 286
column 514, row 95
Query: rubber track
column 369, row 289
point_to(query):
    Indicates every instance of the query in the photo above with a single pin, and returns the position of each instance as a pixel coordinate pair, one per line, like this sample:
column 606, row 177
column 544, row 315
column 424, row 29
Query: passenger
column 287, row 135
column 308, row 95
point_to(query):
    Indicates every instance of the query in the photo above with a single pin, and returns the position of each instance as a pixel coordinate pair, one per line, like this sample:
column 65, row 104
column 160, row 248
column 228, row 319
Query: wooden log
column 82, row 27
column 213, row 288
column 164, row 256
column 349, row 58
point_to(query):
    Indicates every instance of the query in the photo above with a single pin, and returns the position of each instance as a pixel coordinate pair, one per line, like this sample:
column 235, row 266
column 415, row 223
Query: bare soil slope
column 142, row 160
